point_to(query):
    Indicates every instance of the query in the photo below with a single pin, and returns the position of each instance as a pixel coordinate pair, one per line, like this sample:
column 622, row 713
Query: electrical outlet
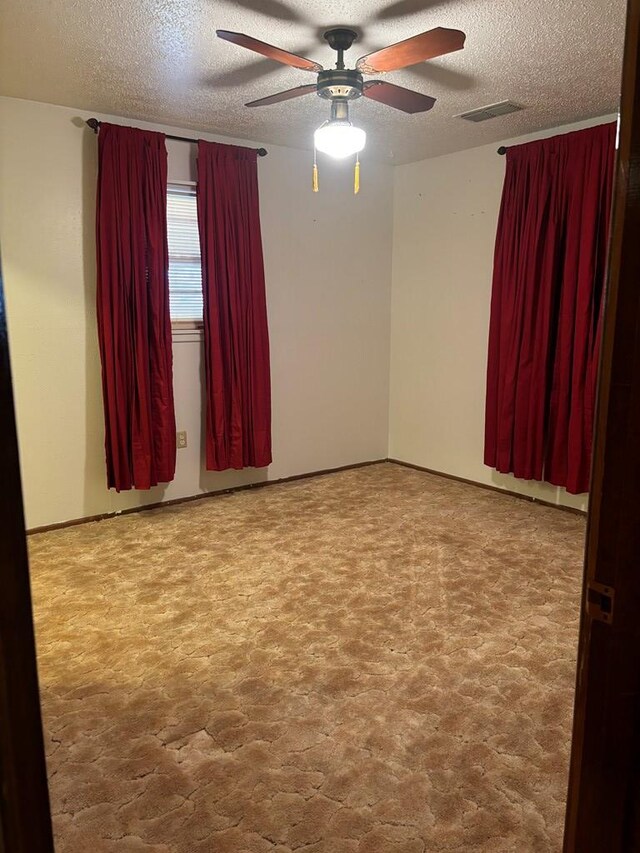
column 181, row 438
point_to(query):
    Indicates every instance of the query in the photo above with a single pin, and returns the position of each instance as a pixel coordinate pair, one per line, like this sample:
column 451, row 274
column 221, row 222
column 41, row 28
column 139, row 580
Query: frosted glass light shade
column 339, row 139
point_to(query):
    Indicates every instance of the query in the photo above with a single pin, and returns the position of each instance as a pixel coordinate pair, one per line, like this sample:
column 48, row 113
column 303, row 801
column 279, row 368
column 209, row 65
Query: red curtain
column 236, row 339
column 134, row 326
column 546, row 307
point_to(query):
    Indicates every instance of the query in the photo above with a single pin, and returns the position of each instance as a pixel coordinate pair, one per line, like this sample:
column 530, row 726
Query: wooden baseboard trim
column 489, row 488
column 219, row 492
column 213, row 494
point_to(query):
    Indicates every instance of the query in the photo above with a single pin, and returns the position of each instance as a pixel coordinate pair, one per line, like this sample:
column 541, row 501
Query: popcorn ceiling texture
column 160, row 60
column 376, row 661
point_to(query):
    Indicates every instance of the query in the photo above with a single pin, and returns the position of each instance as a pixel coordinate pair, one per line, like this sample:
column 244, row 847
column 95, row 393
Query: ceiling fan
column 340, row 85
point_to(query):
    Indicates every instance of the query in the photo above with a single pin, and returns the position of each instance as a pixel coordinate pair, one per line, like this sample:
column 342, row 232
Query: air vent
column 492, row 111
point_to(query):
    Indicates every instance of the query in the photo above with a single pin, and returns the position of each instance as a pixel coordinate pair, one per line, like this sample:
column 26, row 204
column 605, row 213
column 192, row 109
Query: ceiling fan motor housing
column 340, row 83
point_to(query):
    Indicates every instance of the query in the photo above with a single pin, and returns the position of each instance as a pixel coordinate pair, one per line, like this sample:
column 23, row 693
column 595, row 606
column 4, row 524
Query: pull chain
column 356, row 176
column 314, row 181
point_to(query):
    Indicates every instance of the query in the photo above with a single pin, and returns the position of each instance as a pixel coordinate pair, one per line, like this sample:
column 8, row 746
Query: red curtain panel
column 236, row 338
column 546, row 305
column 134, row 327
column 589, row 187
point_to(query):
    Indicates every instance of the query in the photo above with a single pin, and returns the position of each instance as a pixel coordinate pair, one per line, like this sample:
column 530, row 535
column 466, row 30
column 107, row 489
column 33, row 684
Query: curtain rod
column 94, row 124
column 502, row 150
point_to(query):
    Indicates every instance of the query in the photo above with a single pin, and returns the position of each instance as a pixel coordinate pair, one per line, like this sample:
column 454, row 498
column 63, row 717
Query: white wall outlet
column 181, row 438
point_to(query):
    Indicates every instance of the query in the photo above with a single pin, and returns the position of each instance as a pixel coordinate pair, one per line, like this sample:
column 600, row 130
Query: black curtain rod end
column 502, row 150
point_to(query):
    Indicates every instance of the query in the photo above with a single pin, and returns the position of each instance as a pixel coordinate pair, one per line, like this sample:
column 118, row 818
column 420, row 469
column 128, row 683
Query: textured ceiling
column 160, row 60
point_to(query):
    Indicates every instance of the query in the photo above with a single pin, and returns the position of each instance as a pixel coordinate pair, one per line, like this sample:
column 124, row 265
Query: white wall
column 445, row 217
column 328, row 272
column 328, row 260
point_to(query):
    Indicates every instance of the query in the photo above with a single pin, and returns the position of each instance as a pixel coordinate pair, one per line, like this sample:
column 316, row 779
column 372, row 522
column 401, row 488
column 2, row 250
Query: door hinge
column 600, row 599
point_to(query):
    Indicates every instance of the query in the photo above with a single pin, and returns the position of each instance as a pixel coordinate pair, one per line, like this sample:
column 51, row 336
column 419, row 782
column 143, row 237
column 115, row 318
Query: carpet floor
column 374, row 661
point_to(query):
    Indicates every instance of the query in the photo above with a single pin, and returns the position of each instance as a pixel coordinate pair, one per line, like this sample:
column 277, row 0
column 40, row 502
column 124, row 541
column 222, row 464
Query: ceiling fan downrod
column 340, row 82
column 340, row 39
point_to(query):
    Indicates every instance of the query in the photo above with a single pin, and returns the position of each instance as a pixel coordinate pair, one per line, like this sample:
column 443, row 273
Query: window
column 185, row 272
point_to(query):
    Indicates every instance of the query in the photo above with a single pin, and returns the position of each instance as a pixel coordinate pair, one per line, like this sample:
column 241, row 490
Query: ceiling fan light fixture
column 339, row 139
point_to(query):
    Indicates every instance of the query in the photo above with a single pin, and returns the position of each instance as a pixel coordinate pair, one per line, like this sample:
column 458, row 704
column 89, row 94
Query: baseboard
column 199, row 497
column 264, row 483
column 489, row 488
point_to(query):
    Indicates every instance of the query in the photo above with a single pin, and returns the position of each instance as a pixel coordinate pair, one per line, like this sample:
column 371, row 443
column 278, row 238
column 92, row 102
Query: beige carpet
column 376, row 661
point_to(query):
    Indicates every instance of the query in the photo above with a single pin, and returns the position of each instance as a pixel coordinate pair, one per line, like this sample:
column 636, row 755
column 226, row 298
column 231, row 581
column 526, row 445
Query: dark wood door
column 604, row 794
column 25, row 823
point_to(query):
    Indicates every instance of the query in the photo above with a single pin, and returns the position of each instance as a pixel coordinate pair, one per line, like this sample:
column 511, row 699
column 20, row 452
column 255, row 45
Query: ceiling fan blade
column 397, row 96
column 283, row 96
column 269, row 50
column 412, row 50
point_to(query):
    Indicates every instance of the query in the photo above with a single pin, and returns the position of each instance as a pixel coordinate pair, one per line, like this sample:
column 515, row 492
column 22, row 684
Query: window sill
column 186, row 325
column 186, row 331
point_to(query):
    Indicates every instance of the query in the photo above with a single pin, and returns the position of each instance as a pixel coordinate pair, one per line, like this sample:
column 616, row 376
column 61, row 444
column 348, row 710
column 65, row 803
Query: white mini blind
column 185, row 271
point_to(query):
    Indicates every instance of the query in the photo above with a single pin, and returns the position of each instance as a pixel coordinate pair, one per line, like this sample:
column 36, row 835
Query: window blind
column 185, row 271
